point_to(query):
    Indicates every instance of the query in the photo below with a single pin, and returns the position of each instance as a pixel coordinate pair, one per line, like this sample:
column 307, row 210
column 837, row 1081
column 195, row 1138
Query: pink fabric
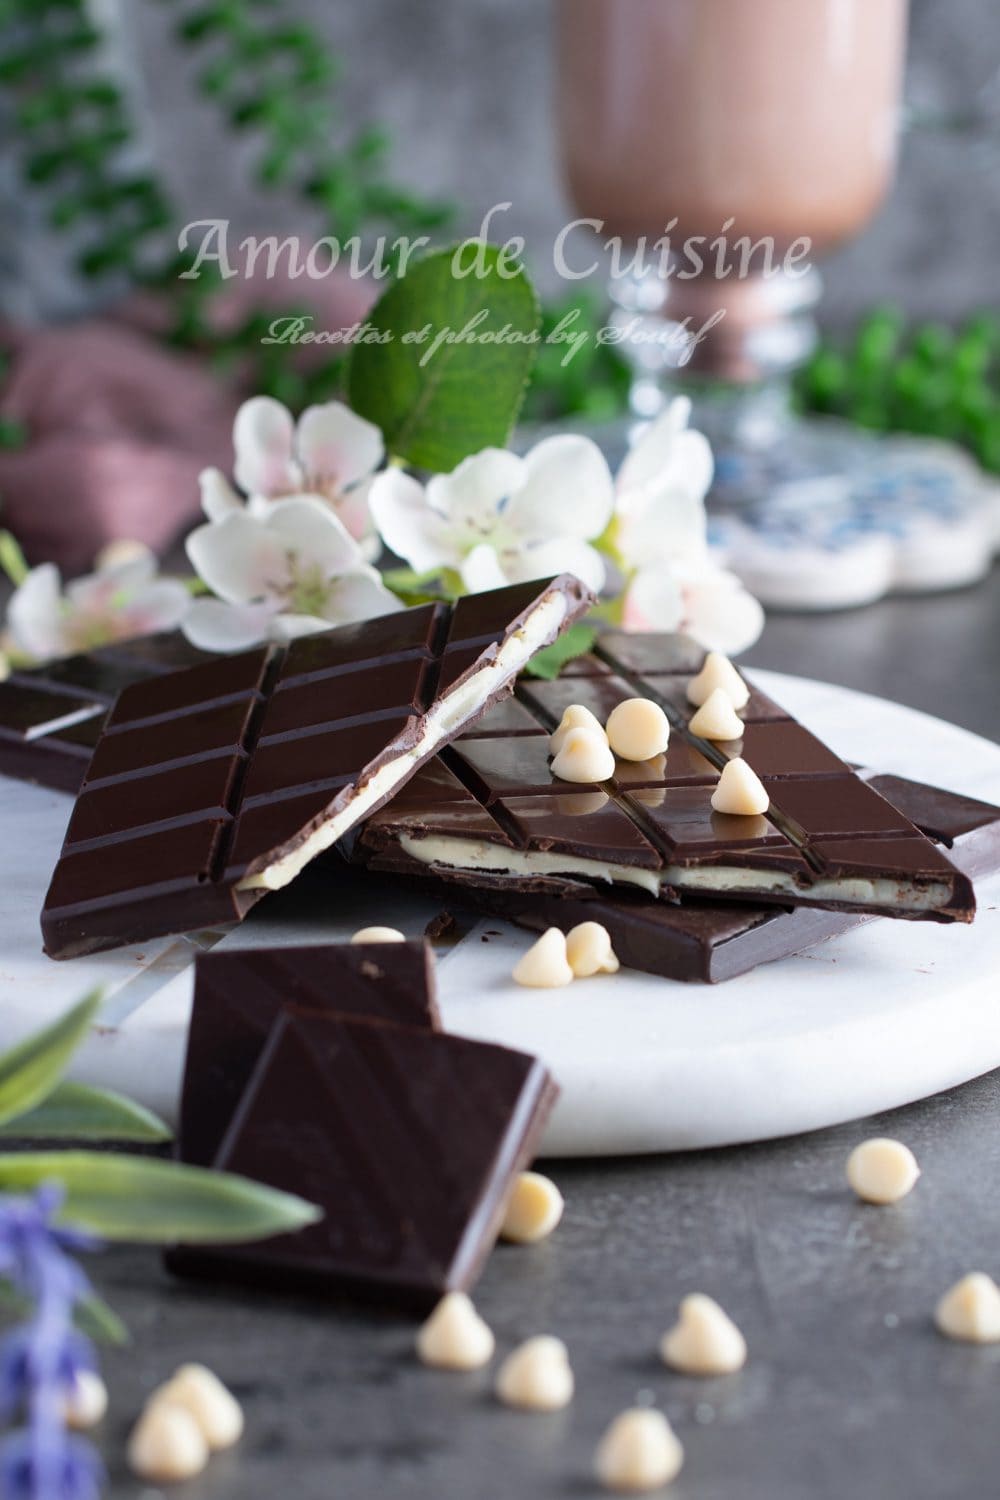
column 119, row 426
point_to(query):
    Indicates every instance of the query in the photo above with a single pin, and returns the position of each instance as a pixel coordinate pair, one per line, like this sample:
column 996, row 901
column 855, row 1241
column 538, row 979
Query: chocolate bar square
column 408, row 1139
column 239, row 993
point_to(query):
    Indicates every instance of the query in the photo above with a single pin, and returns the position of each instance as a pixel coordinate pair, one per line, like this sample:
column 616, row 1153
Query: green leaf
column 549, row 662
column 92, row 1316
column 99, row 1321
column 140, row 1198
column 435, row 406
column 12, row 559
column 30, row 1071
column 75, row 1111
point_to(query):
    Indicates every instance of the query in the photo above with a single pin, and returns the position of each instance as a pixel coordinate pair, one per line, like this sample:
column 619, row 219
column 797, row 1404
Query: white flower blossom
column 498, row 518
column 289, row 572
column 331, row 454
column 112, row 604
column 661, row 540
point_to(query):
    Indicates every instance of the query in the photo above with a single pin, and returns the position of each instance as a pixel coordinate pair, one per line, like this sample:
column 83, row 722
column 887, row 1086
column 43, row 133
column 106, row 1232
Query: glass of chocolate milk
column 724, row 145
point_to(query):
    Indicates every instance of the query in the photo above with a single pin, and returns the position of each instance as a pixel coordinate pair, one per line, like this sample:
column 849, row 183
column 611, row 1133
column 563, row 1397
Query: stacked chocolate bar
column 323, row 1070
column 403, row 747
column 395, row 741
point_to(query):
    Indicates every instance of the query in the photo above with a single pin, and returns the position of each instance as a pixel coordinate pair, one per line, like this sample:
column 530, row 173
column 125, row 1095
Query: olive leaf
column 140, row 1198
column 75, row 1111
column 30, row 1071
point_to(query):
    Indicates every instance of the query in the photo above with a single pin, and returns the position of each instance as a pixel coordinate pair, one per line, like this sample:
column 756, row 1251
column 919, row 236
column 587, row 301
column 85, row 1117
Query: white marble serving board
column 883, row 1015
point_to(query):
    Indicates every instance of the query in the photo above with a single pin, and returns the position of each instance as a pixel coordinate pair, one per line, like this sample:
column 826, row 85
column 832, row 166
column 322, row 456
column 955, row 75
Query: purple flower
column 56, row 1470
column 40, row 1359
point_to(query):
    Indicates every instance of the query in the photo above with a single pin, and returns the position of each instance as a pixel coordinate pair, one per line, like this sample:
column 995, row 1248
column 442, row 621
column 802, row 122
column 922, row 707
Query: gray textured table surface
column 849, row 1393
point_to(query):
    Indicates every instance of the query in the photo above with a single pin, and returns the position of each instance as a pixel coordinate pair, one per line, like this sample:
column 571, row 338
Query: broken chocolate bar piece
column 211, row 786
column 408, row 1139
column 709, row 942
column 493, row 808
column 968, row 828
column 240, row 992
column 51, row 717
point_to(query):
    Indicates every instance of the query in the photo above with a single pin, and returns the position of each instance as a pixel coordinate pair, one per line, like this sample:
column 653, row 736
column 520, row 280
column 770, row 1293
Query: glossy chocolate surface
column 240, row 993
column 207, row 776
column 709, row 942
column 658, row 815
column 408, row 1139
column 51, row 717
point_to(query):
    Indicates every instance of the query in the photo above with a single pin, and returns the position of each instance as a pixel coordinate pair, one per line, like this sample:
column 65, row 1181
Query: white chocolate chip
column 455, row 1336
column 638, row 729
column 717, row 719
column 536, row 1376
column 214, row 1408
column 575, row 716
column 970, row 1311
column 545, row 965
column 739, row 790
column 585, row 756
column 718, row 672
column 704, row 1340
column 87, row 1402
column 639, row 1451
column 379, row 935
column 882, row 1170
column 167, row 1444
column 589, row 950
column 533, row 1210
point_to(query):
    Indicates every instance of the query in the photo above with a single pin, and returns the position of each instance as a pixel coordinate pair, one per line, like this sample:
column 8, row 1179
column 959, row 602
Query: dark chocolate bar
column 211, row 786
column 708, row 942
column 492, row 807
column 408, row 1139
column 51, row 717
column 240, row 992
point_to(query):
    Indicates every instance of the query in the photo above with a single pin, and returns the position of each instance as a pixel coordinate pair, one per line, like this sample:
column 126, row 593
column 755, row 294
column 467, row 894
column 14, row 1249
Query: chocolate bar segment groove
column 310, row 738
column 51, row 716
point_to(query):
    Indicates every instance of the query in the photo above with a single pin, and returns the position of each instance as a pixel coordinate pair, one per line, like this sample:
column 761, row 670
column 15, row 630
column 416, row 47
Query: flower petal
column 653, row 601
column 240, row 558
column 471, row 496
column 670, row 528
column 567, row 490
column 213, row 625
column 721, row 614
column 263, row 435
column 360, row 596
column 161, row 605
column 218, row 497
column 34, row 612
column 354, row 512
column 309, row 528
column 708, row 603
column 99, row 590
column 288, row 627
column 407, row 524
column 667, row 456
column 481, row 570
column 335, row 447
column 561, row 554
